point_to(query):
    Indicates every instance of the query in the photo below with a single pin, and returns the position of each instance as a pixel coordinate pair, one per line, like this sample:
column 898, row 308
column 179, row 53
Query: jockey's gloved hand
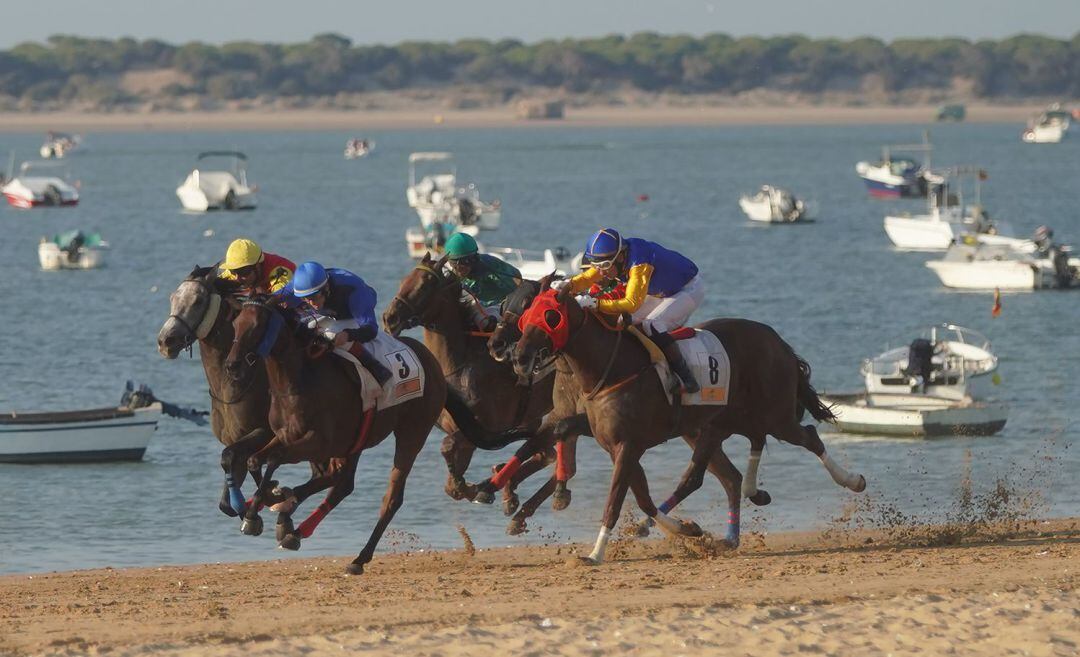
column 560, row 284
column 586, row 302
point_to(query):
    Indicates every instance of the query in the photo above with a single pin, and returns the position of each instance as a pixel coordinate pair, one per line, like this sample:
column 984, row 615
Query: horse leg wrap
column 502, row 477
column 840, row 475
column 236, row 497
column 597, row 554
column 560, row 461
column 307, row 528
column 667, row 523
column 667, row 505
column 733, row 527
column 749, row 482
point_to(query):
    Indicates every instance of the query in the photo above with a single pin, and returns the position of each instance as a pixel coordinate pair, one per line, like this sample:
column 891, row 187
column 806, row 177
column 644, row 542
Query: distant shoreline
column 360, row 121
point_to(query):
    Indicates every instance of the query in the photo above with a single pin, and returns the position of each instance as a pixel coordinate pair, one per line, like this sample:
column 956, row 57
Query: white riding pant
column 663, row 314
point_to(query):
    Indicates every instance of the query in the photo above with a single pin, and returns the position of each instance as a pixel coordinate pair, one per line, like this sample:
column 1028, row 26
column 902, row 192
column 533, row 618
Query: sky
column 393, row 21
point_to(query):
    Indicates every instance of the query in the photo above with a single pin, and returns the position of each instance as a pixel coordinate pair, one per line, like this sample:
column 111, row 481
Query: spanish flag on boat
column 996, row 310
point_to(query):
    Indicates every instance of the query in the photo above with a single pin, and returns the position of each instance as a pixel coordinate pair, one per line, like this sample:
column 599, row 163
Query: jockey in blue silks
column 344, row 309
column 663, row 289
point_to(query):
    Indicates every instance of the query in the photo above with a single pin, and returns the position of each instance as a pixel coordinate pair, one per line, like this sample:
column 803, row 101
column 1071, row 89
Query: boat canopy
column 32, row 165
column 430, row 156
column 237, row 154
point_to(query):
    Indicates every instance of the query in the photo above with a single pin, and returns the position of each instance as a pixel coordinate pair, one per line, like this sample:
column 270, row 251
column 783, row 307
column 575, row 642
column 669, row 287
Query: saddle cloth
column 407, row 381
column 707, row 359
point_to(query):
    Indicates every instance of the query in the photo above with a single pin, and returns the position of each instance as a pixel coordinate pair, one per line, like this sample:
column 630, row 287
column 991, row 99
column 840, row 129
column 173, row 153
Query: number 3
column 403, row 371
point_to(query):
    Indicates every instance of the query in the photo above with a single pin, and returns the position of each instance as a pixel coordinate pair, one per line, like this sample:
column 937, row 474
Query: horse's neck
column 447, row 337
column 214, row 349
column 592, row 347
column 283, row 373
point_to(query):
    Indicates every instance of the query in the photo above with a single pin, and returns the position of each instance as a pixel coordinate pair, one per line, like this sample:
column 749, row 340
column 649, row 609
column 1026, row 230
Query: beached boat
column 437, row 198
column 773, row 205
column 72, row 250
column 217, row 189
column 898, row 177
column 59, row 144
column 938, row 384
column 358, row 148
column 991, row 266
column 40, row 184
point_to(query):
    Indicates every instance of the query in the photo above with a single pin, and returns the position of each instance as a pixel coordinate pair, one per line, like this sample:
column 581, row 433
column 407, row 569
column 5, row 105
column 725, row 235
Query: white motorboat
column 773, row 205
column 430, row 240
column 358, row 148
column 939, row 384
column 59, row 144
column 218, row 189
column 1044, row 133
column 949, row 219
column 40, row 184
column 990, row 266
column 534, row 265
column 437, row 198
column 898, row 177
column 72, row 250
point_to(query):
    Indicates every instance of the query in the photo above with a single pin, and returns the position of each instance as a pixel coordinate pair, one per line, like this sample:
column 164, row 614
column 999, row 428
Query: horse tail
column 808, row 397
column 473, row 430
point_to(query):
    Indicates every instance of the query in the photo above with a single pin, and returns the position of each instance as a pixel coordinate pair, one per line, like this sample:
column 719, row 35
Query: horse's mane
column 223, row 286
column 521, row 298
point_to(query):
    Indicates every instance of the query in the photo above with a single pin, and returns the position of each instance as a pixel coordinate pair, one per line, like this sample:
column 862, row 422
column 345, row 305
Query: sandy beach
column 842, row 593
column 436, row 118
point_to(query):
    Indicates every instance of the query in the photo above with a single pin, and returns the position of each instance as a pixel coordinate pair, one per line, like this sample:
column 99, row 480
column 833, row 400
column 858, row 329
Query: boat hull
column 122, row 438
column 989, row 275
column 914, row 416
column 919, row 233
column 53, row 258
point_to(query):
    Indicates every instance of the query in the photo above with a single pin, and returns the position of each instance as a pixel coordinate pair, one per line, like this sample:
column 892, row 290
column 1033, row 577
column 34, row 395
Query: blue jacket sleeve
column 362, row 308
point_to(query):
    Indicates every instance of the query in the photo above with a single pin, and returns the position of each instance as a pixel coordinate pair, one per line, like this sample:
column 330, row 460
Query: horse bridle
column 209, row 317
column 415, row 317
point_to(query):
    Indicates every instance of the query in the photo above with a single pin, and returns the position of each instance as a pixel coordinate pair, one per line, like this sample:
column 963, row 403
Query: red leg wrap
column 307, row 528
column 560, row 461
column 507, row 471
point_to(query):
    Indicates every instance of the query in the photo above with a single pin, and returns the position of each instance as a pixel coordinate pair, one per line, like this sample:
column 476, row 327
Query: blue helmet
column 603, row 245
column 310, row 277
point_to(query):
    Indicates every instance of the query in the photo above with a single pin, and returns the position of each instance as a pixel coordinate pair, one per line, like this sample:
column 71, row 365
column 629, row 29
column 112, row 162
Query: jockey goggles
column 604, row 265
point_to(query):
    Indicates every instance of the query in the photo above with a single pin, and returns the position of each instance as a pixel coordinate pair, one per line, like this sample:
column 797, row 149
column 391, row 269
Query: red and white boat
column 41, row 184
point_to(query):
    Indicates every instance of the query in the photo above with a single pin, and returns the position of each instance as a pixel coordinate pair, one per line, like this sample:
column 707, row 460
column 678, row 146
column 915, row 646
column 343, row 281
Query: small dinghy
column 358, row 148
column 115, row 433
column 773, row 205
column 72, row 250
column 898, row 177
column 225, row 188
column 938, row 385
column 59, row 144
column 39, row 184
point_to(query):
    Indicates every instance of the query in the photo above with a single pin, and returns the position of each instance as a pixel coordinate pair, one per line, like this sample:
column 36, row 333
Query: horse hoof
column 227, row 509
column 484, row 497
column 283, row 528
column 690, row 528
column 455, row 489
column 516, row 527
column 252, row 526
column 730, row 543
column 643, row 528
column 354, row 569
column 760, row 498
column 287, row 505
column 561, row 500
column 588, row 561
column 289, row 542
column 861, row 486
column 510, row 504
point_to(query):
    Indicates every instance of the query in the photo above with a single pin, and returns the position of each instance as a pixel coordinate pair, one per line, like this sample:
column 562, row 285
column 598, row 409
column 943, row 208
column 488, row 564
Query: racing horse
column 629, row 412
column 316, row 415
column 430, row 298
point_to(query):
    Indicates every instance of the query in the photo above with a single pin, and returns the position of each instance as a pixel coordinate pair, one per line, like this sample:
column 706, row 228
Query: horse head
column 515, row 304
column 545, row 328
column 414, row 304
column 257, row 328
column 193, row 309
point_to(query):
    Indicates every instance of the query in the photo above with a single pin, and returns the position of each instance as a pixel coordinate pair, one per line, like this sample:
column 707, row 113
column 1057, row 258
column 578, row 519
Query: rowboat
column 98, row 434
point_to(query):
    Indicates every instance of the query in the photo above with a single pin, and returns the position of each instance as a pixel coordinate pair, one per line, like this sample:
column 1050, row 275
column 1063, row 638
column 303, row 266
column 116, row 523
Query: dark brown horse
column 316, row 414
column 430, row 298
column 629, row 413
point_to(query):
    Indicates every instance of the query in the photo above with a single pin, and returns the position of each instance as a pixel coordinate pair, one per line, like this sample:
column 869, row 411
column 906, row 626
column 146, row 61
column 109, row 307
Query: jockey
column 256, row 271
column 344, row 309
column 662, row 290
column 485, row 279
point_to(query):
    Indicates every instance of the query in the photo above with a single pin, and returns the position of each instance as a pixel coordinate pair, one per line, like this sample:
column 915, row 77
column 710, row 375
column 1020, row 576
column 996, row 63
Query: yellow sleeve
column 279, row 278
column 637, row 288
column 226, row 275
column 582, row 282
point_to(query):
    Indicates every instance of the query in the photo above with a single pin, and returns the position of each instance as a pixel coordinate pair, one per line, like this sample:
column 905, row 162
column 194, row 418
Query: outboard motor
column 920, row 353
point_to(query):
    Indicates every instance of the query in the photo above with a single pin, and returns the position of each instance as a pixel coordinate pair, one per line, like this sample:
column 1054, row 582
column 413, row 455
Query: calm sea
column 834, row 289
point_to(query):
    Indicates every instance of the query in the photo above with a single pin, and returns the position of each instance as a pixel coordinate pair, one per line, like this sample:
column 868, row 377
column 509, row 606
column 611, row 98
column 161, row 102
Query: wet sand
column 833, row 593
column 260, row 120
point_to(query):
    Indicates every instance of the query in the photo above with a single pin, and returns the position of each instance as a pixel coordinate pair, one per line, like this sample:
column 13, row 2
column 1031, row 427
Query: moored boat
column 990, row 266
column 898, row 177
column 773, row 205
column 40, row 184
column 437, row 198
column 217, row 189
column 72, row 250
column 358, row 148
column 98, row 434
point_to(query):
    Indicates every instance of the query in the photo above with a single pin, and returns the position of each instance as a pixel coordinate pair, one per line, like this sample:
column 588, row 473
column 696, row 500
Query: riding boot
column 678, row 365
column 372, row 364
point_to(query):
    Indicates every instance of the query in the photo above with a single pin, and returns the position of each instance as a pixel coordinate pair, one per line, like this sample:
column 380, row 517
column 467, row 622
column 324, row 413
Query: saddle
column 705, row 356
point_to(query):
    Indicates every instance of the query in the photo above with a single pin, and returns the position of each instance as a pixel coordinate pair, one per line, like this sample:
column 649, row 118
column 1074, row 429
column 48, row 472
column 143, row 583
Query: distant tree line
column 68, row 68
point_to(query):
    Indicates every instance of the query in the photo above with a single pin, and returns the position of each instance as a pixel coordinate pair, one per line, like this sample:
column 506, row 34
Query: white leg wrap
column 839, row 474
column 601, row 545
column 668, row 524
column 749, row 482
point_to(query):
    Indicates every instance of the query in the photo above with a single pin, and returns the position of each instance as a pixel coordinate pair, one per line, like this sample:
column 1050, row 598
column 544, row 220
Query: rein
column 611, row 363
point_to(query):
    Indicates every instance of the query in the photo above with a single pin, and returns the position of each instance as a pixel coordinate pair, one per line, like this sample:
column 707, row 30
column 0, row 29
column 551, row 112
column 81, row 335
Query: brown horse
column 629, row 412
column 316, row 414
column 430, row 298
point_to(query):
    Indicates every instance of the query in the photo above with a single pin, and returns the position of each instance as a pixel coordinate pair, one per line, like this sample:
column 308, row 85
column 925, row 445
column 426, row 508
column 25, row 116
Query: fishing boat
column 938, row 384
column 437, row 198
column 358, row 148
column 949, row 218
column 40, row 184
column 59, row 144
column 72, row 250
column 1043, row 133
column 773, row 205
column 208, row 188
column 898, row 177
column 992, row 266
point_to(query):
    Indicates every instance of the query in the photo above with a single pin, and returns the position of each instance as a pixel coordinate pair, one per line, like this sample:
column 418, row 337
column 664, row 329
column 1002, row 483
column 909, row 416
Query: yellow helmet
column 242, row 253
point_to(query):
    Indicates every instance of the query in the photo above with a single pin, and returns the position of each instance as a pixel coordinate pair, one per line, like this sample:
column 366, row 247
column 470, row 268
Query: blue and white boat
column 898, row 177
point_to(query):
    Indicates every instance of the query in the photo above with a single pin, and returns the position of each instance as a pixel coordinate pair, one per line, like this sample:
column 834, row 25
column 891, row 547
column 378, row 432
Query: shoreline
column 854, row 592
column 418, row 118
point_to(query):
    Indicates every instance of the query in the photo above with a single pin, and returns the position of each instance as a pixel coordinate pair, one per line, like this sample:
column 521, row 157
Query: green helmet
column 460, row 245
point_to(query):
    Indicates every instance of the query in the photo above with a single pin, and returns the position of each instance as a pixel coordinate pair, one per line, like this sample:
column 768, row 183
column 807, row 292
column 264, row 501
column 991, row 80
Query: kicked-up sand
column 840, row 593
